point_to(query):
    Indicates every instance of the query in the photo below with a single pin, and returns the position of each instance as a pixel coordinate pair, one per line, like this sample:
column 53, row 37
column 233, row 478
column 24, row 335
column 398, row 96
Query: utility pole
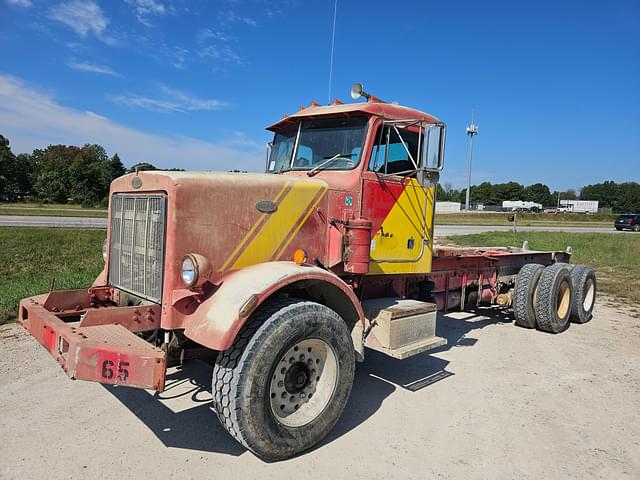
column 471, row 131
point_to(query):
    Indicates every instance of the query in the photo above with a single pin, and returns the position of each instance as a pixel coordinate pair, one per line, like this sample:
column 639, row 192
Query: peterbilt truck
column 288, row 278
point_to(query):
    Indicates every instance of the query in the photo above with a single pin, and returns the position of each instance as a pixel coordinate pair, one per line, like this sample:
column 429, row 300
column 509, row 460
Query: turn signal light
column 300, row 256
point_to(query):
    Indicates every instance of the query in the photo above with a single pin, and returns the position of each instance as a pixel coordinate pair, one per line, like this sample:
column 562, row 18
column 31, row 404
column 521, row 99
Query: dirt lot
column 497, row 402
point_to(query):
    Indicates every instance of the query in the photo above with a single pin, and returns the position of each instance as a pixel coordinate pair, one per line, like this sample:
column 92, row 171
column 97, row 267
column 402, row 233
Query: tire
column 553, row 298
column 619, row 228
column 636, row 227
column 583, row 279
column 524, row 295
column 251, row 378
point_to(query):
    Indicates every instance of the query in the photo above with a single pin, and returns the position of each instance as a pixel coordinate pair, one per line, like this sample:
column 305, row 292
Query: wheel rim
column 303, row 382
column 589, row 295
column 563, row 300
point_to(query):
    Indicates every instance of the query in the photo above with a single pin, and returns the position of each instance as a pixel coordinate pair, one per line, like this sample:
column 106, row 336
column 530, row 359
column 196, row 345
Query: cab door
column 400, row 207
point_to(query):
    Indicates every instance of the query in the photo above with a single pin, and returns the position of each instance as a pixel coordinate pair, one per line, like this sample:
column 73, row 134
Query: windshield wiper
column 327, row 161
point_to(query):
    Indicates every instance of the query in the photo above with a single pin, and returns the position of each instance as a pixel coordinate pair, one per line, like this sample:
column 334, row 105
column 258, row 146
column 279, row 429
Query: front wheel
column 285, row 381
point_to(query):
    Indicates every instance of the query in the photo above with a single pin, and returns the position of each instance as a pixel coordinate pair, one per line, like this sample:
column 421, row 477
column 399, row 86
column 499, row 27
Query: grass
column 31, row 257
column 615, row 257
column 526, row 219
column 51, row 210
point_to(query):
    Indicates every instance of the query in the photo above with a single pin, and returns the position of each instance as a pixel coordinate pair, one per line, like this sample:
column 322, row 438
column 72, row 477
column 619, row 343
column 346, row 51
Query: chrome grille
column 136, row 246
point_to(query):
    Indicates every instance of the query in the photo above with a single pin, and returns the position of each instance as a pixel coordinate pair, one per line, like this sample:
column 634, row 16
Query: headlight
column 104, row 250
column 189, row 271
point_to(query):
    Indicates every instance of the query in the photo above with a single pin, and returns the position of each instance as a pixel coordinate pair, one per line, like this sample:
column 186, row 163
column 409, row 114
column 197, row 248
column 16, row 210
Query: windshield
column 329, row 144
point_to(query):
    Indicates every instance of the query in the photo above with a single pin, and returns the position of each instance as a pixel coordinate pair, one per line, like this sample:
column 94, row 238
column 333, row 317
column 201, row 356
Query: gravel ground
column 497, row 402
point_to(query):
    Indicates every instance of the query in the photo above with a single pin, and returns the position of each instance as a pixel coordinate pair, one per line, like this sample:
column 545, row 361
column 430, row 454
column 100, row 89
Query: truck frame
column 285, row 278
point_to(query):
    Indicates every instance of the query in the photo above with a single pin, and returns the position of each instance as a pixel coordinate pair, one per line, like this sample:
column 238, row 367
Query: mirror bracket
column 428, row 178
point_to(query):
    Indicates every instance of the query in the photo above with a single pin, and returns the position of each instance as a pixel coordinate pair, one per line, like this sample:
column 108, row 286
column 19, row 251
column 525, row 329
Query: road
column 497, row 402
column 446, row 230
column 66, row 222
column 440, row 231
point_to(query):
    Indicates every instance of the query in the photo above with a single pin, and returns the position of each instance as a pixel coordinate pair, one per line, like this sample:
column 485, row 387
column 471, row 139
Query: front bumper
column 92, row 344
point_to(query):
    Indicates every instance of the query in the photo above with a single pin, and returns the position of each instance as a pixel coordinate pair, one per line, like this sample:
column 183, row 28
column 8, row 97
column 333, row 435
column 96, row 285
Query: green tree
column 623, row 197
column 90, row 175
column 483, row 193
column 141, row 166
column 53, row 183
column 8, row 184
column 507, row 191
column 116, row 167
column 26, row 171
column 538, row 193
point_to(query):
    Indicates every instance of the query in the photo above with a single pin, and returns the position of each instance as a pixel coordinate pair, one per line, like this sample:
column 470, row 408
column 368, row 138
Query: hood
column 235, row 219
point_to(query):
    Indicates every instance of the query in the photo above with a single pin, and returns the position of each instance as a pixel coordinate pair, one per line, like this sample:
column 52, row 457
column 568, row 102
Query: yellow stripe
column 257, row 224
column 275, row 230
column 299, row 226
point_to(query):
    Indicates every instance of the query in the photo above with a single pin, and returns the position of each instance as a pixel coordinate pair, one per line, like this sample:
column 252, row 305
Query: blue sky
column 187, row 83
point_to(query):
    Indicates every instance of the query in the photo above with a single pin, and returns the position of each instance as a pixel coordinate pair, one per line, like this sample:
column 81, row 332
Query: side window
column 397, row 157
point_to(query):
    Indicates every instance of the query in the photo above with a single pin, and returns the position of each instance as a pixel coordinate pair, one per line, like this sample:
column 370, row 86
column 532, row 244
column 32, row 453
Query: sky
column 193, row 83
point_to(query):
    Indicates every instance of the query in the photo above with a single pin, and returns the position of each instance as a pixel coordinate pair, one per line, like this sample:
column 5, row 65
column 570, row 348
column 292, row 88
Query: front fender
column 217, row 320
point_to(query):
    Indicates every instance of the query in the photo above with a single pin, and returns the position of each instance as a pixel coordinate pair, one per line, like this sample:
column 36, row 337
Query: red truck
column 285, row 277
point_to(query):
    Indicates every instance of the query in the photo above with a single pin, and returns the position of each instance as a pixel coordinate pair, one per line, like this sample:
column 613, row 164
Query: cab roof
column 388, row 111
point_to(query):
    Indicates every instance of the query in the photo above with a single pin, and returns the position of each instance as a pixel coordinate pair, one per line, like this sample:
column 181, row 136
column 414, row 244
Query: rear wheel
column 583, row 279
column 636, row 227
column 524, row 295
column 553, row 298
column 285, row 381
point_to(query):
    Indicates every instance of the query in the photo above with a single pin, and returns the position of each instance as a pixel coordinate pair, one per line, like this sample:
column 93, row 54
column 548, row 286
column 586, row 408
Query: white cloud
column 93, row 68
column 172, row 101
column 147, row 8
column 83, row 17
column 223, row 53
column 20, row 3
column 207, row 34
column 232, row 17
column 32, row 119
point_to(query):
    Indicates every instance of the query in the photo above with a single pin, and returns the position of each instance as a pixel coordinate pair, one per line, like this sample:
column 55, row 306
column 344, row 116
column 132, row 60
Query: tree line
column 61, row 174
column 67, row 173
column 620, row 197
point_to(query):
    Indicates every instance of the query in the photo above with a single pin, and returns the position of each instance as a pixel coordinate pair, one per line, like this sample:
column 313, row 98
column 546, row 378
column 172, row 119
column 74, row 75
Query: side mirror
column 433, row 149
column 270, row 165
column 432, row 160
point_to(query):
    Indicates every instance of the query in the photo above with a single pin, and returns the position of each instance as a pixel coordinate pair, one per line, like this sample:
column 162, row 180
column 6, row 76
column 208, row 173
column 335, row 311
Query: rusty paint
column 105, row 353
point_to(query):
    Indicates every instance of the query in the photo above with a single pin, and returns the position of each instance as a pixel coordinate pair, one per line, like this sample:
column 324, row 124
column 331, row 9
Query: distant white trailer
column 581, row 206
column 521, row 205
column 448, row 207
